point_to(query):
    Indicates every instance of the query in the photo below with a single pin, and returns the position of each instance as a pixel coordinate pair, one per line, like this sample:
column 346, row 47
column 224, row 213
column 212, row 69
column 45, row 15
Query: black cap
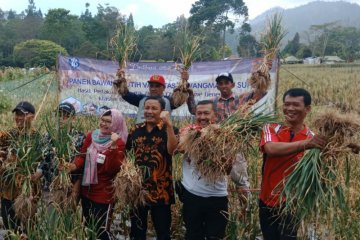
column 24, row 107
column 67, row 107
column 225, row 75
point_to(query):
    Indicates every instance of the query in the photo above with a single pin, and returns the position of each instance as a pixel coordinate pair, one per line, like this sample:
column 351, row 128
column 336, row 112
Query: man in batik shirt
column 153, row 143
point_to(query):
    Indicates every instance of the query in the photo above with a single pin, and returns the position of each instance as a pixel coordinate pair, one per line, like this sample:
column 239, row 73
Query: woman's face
column 105, row 124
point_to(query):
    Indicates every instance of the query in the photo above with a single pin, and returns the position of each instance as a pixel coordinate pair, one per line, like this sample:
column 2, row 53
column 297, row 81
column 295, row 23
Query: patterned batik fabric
column 151, row 155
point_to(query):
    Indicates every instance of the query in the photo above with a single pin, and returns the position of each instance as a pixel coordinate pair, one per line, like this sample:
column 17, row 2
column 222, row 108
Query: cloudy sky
column 146, row 12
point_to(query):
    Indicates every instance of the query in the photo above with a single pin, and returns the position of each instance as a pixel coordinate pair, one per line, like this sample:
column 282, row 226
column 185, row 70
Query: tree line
column 324, row 40
column 30, row 38
column 89, row 35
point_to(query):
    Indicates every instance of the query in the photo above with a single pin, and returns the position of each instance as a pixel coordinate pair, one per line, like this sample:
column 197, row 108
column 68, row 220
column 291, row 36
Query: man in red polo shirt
column 282, row 146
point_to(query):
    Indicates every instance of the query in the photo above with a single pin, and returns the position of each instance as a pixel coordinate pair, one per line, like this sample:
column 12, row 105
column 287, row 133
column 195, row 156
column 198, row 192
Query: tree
column 248, row 46
column 32, row 22
column 63, row 28
column 11, row 15
column 303, row 52
column 9, row 36
column 130, row 21
column 36, row 52
column 293, row 46
column 217, row 15
column 318, row 37
column 146, row 38
column 108, row 19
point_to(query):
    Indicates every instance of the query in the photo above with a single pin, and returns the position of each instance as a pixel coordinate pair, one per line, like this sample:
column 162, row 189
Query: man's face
column 205, row 115
column 156, row 89
column 152, row 110
column 23, row 119
column 294, row 109
column 65, row 118
column 225, row 87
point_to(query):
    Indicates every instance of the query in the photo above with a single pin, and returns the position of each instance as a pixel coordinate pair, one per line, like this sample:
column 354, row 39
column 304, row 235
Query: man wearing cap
column 156, row 88
column 225, row 105
column 20, row 136
column 69, row 135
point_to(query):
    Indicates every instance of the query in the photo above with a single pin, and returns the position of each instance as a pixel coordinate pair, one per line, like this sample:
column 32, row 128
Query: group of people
column 154, row 140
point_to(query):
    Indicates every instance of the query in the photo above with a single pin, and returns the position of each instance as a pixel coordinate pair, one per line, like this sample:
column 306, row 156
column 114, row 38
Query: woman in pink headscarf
column 101, row 157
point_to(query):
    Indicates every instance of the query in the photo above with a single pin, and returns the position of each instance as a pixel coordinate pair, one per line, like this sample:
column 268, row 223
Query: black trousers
column 204, row 217
column 275, row 227
column 160, row 216
column 8, row 215
column 98, row 217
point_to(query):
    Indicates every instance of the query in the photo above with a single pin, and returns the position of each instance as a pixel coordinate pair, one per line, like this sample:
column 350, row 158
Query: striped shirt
column 225, row 107
column 275, row 169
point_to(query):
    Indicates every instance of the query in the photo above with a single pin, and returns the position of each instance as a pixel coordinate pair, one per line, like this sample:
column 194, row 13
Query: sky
column 148, row 12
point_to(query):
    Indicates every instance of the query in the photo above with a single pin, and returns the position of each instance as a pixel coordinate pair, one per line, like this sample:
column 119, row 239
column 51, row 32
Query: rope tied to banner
column 26, row 83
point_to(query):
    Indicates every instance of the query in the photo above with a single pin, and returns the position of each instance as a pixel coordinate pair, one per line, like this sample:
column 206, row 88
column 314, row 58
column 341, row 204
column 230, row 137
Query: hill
column 301, row 18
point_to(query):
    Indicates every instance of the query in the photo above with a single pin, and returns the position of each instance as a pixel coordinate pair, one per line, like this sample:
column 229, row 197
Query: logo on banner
column 74, row 63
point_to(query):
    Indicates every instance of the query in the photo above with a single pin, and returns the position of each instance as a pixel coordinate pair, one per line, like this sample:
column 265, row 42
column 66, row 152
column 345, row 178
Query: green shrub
column 36, row 52
column 5, row 103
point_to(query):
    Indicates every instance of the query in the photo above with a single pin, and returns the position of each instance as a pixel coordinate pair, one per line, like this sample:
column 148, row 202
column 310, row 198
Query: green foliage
column 212, row 18
column 333, row 39
column 293, row 46
column 5, row 103
column 216, row 13
column 248, row 46
column 63, row 29
column 38, row 52
column 86, row 49
column 88, row 35
column 303, row 52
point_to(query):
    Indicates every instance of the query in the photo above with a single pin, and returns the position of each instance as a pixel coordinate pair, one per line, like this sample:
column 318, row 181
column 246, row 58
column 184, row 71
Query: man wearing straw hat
column 23, row 132
column 282, row 146
column 157, row 87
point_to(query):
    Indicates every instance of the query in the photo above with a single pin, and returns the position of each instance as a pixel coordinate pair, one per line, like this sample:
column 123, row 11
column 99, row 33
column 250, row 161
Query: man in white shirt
column 205, row 204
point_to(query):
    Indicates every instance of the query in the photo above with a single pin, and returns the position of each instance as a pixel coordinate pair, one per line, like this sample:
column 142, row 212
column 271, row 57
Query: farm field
column 331, row 86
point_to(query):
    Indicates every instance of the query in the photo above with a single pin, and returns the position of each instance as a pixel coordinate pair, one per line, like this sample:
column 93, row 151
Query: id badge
column 101, row 158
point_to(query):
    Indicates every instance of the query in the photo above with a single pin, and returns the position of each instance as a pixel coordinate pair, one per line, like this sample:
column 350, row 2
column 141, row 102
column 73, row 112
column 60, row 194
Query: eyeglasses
column 105, row 121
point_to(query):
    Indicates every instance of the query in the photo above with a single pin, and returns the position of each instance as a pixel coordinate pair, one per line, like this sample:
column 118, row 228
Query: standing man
column 156, row 88
column 282, row 147
column 154, row 143
column 205, row 204
column 66, row 132
column 225, row 105
column 22, row 134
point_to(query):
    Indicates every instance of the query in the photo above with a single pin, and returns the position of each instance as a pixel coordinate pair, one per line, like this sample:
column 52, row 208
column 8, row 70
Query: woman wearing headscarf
column 101, row 158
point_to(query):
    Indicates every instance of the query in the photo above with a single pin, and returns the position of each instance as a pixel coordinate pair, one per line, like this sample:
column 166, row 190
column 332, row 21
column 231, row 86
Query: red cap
column 157, row 79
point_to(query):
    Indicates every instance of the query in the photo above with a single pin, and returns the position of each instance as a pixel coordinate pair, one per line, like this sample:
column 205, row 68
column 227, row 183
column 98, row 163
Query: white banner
column 87, row 83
